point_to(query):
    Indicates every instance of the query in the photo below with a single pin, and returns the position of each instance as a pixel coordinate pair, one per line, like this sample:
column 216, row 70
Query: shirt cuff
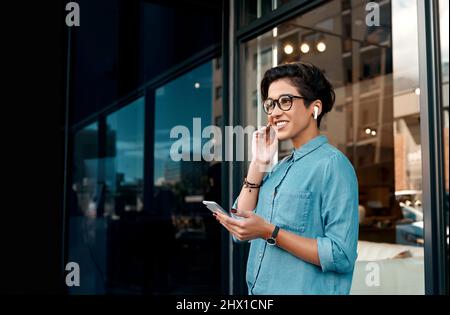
column 325, row 251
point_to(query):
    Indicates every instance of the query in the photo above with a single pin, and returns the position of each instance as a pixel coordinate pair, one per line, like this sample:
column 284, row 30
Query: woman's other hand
column 248, row 227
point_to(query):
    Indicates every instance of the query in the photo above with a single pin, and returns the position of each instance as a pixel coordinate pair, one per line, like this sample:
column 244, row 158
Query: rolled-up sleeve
column 337, row 247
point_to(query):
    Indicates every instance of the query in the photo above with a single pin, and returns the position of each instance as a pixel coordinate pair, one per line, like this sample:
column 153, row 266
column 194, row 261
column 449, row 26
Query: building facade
column 153, row 82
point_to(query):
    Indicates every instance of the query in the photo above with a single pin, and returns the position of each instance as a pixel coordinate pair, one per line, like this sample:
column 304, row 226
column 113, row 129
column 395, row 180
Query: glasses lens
column 285, row 102
column 268, row 106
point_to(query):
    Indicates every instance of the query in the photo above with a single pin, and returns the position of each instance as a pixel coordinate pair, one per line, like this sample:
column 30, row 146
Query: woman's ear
column 317, row 110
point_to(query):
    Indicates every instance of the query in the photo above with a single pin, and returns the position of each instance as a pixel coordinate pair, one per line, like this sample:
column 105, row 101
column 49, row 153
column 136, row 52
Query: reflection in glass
column 124, row 161
column 375, row 122
column 86, row 201
column 170, row 245
column 181, row 186
column 107, row 190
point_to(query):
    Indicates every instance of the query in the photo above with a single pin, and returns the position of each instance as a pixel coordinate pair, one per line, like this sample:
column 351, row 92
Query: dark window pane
column 86, row 198
column 125, row 165
column 107, row 189
column 180, row 186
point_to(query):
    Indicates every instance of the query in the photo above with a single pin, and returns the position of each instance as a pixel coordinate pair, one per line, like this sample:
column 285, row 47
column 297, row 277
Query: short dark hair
column 309, row 81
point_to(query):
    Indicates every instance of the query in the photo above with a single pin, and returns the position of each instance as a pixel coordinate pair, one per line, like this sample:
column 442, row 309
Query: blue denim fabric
column 313, row 193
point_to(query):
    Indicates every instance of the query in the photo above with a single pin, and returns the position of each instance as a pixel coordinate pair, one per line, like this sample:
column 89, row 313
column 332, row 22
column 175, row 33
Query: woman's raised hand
column 264, row 145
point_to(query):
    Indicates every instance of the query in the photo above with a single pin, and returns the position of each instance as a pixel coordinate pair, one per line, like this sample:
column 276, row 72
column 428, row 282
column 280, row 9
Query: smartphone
column 215, row 207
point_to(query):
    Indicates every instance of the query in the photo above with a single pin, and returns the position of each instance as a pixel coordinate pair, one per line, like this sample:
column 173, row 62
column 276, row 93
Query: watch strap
column 275, row 232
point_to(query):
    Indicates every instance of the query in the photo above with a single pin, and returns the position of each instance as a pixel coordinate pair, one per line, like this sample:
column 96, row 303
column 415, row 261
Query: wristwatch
column 272, row 240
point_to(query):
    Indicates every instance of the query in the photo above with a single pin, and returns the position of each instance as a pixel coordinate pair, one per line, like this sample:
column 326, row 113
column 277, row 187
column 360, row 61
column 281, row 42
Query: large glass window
column 371, row 58
column 106, row 239
column 86, row 233
column 189, row 104
column 128, row 268
column 170, row 243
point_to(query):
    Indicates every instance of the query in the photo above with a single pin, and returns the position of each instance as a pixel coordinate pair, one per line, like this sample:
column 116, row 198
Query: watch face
column 271, row 241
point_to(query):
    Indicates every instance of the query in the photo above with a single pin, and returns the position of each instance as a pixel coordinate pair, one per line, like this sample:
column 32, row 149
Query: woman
column 301, row 216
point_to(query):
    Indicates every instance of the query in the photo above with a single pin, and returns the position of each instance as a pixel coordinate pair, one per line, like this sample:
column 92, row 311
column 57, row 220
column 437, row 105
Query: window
column 192, row 236
column 86, row 204
column 107, row 193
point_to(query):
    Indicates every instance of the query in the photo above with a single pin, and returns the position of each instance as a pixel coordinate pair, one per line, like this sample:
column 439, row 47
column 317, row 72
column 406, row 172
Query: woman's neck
column 304, row 136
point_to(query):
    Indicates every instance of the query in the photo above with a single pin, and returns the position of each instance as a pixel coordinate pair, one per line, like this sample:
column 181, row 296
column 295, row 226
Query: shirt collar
column 309, row 146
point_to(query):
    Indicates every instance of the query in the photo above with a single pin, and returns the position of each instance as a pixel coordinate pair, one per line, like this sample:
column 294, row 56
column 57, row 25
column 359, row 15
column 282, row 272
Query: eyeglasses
column 284, row 102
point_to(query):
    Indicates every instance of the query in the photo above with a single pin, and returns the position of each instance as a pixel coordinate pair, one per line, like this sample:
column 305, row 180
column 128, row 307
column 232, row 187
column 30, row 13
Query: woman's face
column 289, row 124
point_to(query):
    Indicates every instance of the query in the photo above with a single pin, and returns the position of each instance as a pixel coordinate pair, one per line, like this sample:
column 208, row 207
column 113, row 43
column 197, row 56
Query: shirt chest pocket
column 291, row 210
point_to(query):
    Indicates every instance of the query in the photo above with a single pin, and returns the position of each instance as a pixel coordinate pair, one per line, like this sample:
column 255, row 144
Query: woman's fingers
column 268, row 134
column 264, row 144
column 230, row 229
column 230, row 225
column 230, row 221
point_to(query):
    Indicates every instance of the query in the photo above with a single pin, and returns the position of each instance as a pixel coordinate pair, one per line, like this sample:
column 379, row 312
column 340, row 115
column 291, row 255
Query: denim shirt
column 313, row 193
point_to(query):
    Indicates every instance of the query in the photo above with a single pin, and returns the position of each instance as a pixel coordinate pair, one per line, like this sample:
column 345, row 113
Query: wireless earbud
column 316, row 111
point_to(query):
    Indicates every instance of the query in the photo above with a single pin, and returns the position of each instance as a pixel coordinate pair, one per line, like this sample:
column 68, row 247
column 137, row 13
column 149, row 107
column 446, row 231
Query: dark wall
column 95, row 53
column 122, row 44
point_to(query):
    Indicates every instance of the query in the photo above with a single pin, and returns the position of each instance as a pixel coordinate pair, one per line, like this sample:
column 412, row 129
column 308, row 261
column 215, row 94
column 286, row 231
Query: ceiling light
column 304, row 48
column 321, row 47
column 288, row 49
column 320, row 44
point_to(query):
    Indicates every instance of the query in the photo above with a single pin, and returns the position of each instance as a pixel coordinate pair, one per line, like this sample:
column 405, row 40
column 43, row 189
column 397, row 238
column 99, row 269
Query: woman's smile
column 280, row 124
